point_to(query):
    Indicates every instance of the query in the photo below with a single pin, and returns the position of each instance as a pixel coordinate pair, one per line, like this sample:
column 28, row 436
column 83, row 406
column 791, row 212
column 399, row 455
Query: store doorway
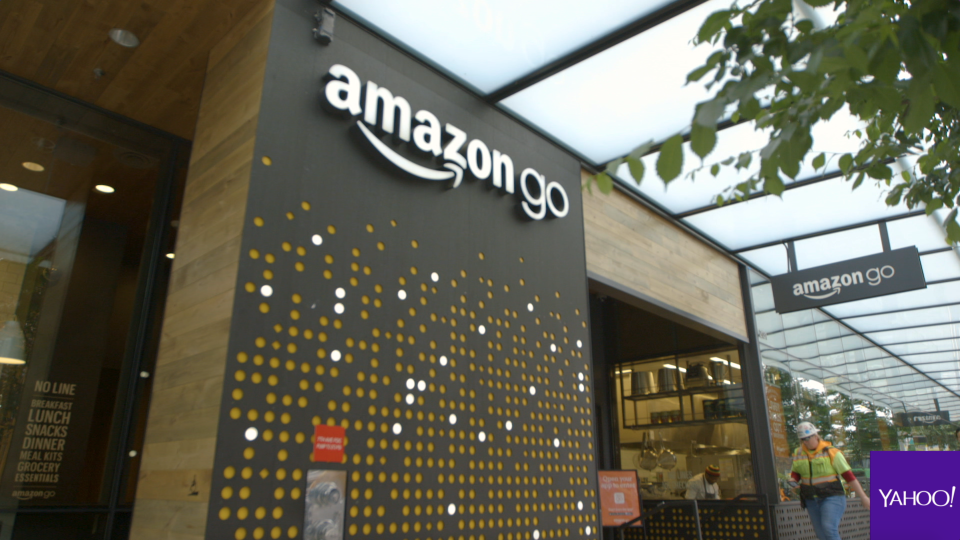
column 672, row 407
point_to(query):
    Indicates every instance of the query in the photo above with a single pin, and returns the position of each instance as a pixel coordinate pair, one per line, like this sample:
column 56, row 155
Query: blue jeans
column 825, row 514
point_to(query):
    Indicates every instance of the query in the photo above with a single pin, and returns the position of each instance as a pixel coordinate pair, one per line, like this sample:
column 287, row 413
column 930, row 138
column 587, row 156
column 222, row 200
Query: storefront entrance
column 677, row 414
column 86, row 223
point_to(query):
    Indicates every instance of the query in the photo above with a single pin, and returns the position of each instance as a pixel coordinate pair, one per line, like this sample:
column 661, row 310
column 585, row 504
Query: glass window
column 854, row 392
column 79, row 231
column 679, row 414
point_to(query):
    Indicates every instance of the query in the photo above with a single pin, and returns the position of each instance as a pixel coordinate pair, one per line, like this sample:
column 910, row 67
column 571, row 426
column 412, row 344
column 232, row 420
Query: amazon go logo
column 452, row 147
column 829, row 286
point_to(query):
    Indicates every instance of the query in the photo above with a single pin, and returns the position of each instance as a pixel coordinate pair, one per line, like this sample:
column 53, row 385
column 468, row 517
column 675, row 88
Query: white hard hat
column 806, row 429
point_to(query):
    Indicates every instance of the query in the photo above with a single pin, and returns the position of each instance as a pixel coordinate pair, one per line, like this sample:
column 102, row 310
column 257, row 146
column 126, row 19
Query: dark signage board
column 412, row 271
column 856, row 279
column 917, row 419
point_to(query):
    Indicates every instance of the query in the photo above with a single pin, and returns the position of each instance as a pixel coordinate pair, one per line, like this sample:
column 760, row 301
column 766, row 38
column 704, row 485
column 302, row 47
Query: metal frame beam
column 638, row 26
column 825, row 232
column 761, row 438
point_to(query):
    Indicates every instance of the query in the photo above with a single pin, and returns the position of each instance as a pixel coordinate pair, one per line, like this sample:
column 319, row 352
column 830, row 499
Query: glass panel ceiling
column 841, row 246
column 942, row 293
column 920, row 231
column 944, row 331
column 771, row 260
column 925, row 347
column 635, row 91
column 804, row 210
column 939, row 266
column 489, row 43
column 685, row 193
column 902, row 319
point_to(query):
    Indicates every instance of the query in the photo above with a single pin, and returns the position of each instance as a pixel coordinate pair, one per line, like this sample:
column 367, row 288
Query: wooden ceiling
column 59, row 44
column 73, row 163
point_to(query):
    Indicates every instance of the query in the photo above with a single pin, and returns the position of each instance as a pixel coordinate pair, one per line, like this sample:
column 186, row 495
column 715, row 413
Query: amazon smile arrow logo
column 454, row 171
column 391, row 114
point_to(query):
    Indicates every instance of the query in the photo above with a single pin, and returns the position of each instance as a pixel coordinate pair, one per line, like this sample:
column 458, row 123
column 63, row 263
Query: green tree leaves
column 670, row 162
column 713, row 25
column 636, row 168
column 604, row 183
column 894, row 64
column 819, row 161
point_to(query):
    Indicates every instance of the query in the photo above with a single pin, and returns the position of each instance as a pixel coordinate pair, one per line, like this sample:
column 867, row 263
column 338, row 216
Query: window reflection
column 818, row 370
column 75, row 206
column 681, row 414
column 679, row 405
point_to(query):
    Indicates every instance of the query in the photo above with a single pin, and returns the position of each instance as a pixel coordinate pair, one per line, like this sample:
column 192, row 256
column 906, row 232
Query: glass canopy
column 604, row 77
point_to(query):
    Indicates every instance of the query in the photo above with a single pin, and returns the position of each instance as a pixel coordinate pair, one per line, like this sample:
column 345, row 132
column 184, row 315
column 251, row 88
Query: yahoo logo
column 896, row 498
column 387, row 113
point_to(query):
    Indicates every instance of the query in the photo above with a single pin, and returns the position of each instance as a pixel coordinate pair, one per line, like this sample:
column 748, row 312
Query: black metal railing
column 746, row 516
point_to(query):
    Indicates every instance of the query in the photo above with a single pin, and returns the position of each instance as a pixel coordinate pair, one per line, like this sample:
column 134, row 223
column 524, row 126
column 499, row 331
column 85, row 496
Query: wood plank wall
column 182, row 426
column 635, row 248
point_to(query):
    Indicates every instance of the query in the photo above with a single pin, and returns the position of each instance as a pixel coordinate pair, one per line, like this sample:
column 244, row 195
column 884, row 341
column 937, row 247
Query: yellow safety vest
column 820, row 470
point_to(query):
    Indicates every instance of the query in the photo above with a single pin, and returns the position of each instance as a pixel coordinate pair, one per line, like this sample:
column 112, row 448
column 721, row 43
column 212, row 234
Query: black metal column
column 761, row 439
column 603, row 336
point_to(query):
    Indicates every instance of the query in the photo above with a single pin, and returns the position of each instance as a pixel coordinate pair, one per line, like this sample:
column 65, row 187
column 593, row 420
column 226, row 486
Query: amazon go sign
column 875, row 275
column 452, row 149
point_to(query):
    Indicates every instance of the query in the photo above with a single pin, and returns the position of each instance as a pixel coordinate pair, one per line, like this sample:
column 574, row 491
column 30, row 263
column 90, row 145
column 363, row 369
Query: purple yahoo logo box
column 913, row 495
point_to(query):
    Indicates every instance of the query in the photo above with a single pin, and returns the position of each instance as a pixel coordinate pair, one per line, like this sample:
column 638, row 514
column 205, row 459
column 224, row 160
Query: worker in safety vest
column 818, row 468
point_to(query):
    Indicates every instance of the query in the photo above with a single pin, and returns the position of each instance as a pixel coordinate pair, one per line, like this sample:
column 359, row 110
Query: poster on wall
column 619, row 498
column 778, row 428
column 57, row 445
column 413, row 272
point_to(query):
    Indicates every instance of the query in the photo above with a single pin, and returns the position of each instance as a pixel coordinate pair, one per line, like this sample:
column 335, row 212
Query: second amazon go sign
column 457, row 154
column 856, row 279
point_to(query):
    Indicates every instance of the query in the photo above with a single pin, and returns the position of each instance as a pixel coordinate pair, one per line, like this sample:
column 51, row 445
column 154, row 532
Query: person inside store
column 818, row 468
column 704, row 485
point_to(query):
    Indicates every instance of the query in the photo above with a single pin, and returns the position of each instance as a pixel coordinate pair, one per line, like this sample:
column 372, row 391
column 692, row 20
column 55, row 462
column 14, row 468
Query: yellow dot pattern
column 464, row 390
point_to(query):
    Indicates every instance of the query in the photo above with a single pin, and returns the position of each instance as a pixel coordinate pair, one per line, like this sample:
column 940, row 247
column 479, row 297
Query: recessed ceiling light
column 124, row 38
column 8, row 187
column 103, row 188
column 31, row 166
column 171, row 255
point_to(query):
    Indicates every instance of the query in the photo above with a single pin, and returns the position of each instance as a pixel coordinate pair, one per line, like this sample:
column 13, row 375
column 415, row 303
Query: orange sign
column 328, row 443
column 619, row 498
column 884, row 434
column 778, row 428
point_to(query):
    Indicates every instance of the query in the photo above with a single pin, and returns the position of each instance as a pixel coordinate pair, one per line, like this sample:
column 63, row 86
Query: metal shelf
column 689, row 423
column 737, row 388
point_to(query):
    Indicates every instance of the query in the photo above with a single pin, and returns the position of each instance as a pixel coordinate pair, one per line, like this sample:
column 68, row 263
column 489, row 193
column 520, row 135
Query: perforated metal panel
column 447, row 335
column 672, row 523
column 793, row 522
column 746, row 520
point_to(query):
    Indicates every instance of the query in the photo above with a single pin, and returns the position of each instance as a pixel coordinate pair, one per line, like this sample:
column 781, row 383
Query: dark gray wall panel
column 507, row 312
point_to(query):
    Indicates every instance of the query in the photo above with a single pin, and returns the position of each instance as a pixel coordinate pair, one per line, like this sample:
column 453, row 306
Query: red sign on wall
column 328, row 444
